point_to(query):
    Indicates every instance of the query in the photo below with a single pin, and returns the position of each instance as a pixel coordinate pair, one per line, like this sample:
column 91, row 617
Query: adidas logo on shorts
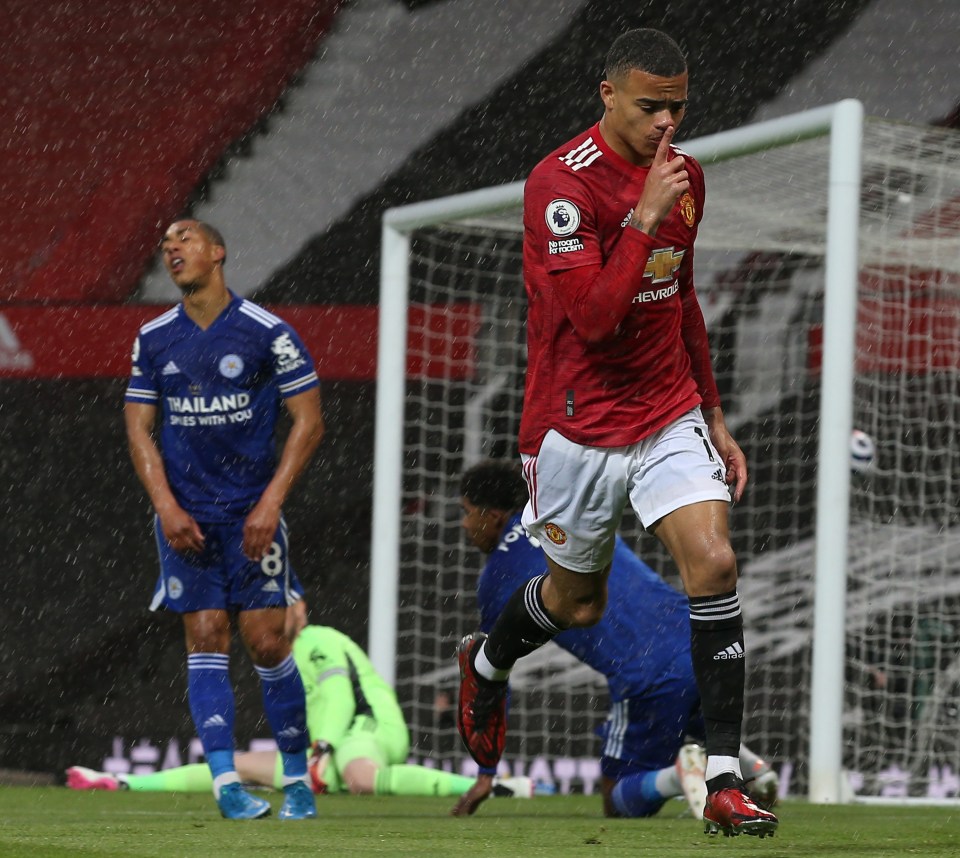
column 732, row 651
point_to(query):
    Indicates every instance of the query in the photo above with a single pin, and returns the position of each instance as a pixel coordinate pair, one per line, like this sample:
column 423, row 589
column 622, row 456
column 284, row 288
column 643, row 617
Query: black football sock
column 523, row 626
column 716, row 645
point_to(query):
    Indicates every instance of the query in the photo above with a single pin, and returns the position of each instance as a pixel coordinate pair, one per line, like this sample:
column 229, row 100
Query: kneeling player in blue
column 644, row 653
column 215, row 370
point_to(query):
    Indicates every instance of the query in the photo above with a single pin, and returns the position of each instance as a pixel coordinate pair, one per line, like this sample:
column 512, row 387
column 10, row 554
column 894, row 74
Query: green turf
column 52, row 822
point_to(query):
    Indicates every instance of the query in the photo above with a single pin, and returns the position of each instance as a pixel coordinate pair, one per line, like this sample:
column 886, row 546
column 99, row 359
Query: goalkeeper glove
column 320, row 754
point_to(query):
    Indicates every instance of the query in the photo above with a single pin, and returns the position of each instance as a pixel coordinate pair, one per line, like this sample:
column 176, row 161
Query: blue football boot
column 299, row 803
column 236, row 803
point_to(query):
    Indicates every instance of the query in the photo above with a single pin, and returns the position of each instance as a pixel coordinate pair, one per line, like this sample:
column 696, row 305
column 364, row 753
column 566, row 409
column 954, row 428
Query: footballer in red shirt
column 611, row 352
column 621, row 407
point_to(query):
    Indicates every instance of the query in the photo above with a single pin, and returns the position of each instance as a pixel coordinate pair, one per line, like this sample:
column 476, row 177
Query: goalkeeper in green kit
column 359, row 735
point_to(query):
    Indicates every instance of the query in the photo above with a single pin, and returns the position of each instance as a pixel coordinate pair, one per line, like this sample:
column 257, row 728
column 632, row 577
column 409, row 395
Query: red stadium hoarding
column 94, row 341
column 91, row 168
column 908, row 316
column 914, row 335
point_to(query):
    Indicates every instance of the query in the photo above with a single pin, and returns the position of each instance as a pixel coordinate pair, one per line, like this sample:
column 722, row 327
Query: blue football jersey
column 644, row 636
column 219, row 392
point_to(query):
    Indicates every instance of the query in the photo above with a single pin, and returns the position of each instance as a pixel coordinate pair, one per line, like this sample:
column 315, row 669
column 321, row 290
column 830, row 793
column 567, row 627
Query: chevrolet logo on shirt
column 663, row 263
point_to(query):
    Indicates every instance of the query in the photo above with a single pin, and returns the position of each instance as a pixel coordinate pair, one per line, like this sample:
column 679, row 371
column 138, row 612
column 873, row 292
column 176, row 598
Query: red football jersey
column 655, row 365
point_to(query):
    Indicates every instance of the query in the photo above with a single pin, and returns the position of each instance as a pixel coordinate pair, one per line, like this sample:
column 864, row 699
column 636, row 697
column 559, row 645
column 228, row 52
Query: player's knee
column 206, row 631
column 722, row 566
column 358, row 787
column 587, row 611
column 360, row 776
column 714, row 572
column 269, row 650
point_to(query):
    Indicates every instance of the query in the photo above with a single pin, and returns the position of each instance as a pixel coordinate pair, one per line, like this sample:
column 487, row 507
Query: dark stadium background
column 81, row 658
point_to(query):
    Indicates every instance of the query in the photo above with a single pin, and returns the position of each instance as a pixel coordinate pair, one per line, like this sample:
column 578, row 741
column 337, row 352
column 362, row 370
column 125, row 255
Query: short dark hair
column 494, row 484
column 214, row 236
column 645, row 50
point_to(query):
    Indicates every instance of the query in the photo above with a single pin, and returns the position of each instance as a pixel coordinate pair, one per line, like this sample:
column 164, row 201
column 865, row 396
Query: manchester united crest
column 688, row 209
column 555, row 534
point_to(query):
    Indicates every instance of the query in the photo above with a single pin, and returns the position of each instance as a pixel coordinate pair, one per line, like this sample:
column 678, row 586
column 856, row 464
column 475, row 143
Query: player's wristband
column 485, row 770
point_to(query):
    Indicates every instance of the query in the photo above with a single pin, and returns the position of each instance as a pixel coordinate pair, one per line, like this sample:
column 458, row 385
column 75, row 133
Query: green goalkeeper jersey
column 341, row 684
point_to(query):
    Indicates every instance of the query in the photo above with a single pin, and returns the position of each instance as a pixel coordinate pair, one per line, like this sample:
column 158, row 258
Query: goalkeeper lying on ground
column 359, row 735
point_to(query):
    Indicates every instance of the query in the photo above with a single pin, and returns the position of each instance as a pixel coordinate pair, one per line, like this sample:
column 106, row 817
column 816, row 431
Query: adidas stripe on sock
column 284, row 705
column 523, row 626
column 211, row 700
column 716, row 647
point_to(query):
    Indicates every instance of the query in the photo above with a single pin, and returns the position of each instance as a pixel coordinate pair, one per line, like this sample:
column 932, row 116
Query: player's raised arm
column 666, row 182
column 618, row 366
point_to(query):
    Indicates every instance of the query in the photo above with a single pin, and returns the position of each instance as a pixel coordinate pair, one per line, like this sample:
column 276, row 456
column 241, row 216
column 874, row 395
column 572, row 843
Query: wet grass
column 52, row 822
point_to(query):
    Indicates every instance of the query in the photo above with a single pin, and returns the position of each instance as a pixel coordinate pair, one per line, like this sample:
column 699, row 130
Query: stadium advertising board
column 94, row 341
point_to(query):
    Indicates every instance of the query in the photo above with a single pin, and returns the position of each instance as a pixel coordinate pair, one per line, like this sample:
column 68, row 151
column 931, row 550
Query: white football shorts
column 578, row 494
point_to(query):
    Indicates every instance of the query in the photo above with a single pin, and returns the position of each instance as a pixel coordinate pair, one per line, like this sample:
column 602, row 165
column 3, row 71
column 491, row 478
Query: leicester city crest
column 231, row 366
column 174, row 587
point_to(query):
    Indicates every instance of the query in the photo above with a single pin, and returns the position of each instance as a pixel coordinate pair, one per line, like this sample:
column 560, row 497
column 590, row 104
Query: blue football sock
column 212, row 706
column 220, row 763
column 637, row 795
column 294, row 765
column 285, row 707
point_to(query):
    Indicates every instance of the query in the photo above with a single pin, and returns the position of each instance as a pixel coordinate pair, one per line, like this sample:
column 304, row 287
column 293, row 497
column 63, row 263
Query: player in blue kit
column 215, row 370
column 644, row 655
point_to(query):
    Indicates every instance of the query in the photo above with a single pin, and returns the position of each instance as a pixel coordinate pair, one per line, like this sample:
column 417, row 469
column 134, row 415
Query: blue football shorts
column 644, row 734
column 221, row 576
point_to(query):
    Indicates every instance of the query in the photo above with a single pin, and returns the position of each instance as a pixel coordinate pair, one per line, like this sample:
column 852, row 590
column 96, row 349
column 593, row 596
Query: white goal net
column 760, row 265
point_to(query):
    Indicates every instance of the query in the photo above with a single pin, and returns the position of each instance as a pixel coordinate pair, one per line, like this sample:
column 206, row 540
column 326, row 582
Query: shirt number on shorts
column 272, row 563
column 706, row 444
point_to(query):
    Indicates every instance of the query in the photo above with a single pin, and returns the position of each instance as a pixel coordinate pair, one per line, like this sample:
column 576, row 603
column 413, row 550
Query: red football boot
column 482, row 709
column 733, row 812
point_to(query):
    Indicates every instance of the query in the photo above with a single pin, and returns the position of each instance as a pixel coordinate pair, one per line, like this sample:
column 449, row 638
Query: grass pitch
column 53, row 822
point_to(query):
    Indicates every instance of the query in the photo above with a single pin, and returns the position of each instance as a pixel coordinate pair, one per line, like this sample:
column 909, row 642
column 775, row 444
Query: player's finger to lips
column 664, row 147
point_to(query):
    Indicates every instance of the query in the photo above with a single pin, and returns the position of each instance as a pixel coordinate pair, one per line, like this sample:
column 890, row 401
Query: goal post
column 398, row 223
column 833, row 484
column 827, row 266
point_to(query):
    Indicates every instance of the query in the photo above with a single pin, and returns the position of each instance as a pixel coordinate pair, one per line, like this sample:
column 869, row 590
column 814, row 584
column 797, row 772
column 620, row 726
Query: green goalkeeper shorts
column 385, row 744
